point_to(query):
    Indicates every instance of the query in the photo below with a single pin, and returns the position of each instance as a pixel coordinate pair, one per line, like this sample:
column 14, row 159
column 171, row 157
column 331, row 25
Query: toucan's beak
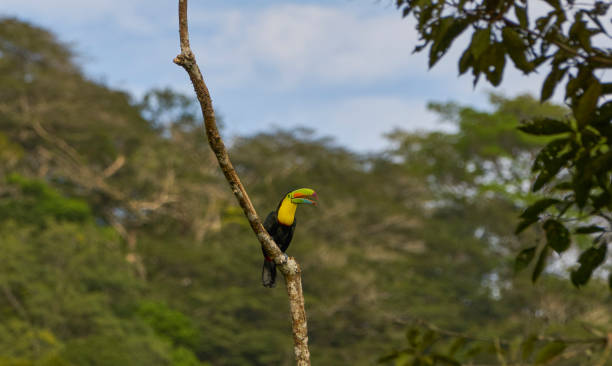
column 304, row 195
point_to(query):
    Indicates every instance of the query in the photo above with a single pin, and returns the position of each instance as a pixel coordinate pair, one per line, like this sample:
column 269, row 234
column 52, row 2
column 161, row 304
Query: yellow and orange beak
column 304, row 195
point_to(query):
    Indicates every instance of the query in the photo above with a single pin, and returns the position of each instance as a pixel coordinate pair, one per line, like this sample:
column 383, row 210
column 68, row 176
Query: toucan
column 280, row 224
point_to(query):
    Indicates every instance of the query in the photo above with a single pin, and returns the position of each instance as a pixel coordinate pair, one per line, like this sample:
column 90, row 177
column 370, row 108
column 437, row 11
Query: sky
column 343, row 68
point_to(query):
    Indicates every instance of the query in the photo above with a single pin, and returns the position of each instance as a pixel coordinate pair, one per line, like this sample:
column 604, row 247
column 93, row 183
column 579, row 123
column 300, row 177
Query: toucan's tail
column 268, row 273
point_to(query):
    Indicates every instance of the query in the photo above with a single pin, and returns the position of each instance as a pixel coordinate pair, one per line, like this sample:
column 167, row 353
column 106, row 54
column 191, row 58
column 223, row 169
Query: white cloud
column 131, row 16
column 344, row 68
column 67, row 8
column 294, row 44
column 361, row 122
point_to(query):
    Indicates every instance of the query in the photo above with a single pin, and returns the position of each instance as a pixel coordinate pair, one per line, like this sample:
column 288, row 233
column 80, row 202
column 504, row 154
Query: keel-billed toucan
column 280, row 224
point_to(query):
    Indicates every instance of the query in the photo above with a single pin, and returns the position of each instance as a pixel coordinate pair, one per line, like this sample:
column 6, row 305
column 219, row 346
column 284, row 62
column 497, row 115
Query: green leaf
column 516, row 47
column 578, row 83
column 581, row 192
column 587, row 103
column 589, row 138
column 524, row 224
column 425, row 360
column 521, row 61
column 412, row 335
column 610, row 281
column 465, row 61
column 603, row 115
column 589, row 260
column 579, row 31
column 493, row 63
column 524, row 258
column 557, row 235
column 429, row 338
column 550, row 351
column 540, row 264
column 599, row 164
column 512, row 39
column 564, row 186
column 551, row 81
column 554, row 3
column 589, row 229
column 514, row 347
column 390, row 357
column 441, row 359
column 545, row 126
column 448, row 30
column 476, row 349
column 481, row 39
column 406, row 11
column 521, row 15
column 604, row 199
column 528, row 346
column 549, row 161
column 538, row 207
column 541, row 180
column 456, row 345
column 582, row 180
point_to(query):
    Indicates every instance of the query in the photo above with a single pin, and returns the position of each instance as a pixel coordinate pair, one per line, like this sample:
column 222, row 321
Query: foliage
column 567, row 41
column 169, row 323
column 427, row 345
column 35, row 201
column 121, row 245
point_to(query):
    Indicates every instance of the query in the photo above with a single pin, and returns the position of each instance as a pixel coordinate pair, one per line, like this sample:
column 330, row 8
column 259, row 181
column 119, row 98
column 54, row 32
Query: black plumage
column 282, row 235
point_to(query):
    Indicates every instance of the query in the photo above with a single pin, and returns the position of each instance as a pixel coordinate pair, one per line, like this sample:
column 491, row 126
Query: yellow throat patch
column 286, row 212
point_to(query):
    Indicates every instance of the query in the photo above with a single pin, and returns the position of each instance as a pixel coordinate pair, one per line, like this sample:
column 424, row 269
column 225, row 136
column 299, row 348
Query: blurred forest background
column 120, row 243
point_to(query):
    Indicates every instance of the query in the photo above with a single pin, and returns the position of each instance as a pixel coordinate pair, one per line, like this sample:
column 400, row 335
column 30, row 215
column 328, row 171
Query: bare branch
column 287, row 265
column 87, row 177
column 14, row 302
column 505, row 343
column 606, row 354
column 114, row 167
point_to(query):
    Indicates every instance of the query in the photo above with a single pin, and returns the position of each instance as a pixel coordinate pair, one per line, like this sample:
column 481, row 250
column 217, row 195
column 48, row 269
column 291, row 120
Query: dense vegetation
column 570, row 42
column 120, row 243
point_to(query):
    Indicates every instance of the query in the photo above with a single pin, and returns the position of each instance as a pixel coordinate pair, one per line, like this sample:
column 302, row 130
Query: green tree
column 82, row 174
column 426, row 239
column 477, row 181
column 570, row 43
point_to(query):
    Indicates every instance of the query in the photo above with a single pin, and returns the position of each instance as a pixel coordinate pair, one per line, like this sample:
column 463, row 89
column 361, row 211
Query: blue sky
column 344, row 68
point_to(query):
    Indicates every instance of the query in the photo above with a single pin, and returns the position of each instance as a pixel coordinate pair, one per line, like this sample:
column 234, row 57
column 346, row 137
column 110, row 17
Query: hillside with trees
column 121, row 244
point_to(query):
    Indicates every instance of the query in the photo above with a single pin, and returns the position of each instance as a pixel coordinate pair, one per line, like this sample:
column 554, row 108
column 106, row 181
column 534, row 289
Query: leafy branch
column 428, row 344
column 574, row 170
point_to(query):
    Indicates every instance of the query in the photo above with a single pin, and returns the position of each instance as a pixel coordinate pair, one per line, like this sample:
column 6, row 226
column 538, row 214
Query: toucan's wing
column 271, row 223
column 271, row 226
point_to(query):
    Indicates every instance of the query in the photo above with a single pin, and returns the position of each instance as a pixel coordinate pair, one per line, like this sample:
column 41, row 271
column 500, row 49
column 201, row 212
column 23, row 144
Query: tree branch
column 14, row 302
column 87, row 177
column 603, row 340
column 604, row 60
column 287, row 265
